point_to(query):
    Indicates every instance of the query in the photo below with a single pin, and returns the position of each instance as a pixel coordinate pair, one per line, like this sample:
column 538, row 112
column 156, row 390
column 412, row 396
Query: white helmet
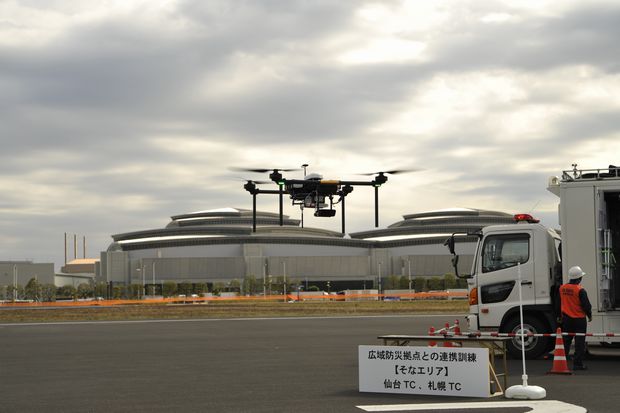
column 575, row 273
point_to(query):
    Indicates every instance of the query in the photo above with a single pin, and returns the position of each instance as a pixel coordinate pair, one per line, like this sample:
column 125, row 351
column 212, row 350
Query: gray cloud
column 84, row 114
column 584, row 35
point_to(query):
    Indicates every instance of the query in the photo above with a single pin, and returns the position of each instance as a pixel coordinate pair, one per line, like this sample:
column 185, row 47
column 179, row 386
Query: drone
column 313, row 191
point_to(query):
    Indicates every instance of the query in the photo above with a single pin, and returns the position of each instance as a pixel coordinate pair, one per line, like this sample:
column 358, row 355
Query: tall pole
column 284, row 274
column 14, row 282
column 65, row 248
column 84, row 246
column 523, row 391
column 75, row 246
column 264, row 280
column 409, row 265
column 153, row 278
column 524, row 376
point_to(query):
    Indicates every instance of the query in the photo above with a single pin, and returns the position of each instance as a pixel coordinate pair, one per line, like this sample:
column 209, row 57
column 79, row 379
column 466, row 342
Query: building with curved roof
column 440, row 223
column 218, row 246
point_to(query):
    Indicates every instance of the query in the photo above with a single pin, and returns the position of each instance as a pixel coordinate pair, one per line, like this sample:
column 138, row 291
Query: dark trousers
column 575, row 325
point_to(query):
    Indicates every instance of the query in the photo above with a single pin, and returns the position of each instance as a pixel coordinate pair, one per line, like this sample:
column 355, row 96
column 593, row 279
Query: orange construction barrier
column 560, row 366
column 188, row 300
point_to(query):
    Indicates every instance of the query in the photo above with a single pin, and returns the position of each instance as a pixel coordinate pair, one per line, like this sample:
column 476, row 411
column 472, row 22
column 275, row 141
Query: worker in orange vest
column 575, row 307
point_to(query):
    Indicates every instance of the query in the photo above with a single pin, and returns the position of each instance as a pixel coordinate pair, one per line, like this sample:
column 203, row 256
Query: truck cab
column 503, row 252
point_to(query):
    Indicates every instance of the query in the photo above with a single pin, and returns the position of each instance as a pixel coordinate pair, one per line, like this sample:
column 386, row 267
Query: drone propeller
column 393, row 172
column 261, row 170
column 275, row 174
column 252, row 181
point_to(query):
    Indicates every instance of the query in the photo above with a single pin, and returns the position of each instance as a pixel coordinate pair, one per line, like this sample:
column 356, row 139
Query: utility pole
column 264, row 280
column 284, row 274
column 153, row 290
column 14, row 282
column 379, row 277
column 142, row 271
column 409, row 265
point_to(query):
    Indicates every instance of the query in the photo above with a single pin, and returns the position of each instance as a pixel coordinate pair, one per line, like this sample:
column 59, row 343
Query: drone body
column 315, row 192
column 312, row 191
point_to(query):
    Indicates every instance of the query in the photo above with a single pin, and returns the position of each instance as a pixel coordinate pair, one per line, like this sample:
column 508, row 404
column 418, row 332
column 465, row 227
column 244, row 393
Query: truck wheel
column 534, row 346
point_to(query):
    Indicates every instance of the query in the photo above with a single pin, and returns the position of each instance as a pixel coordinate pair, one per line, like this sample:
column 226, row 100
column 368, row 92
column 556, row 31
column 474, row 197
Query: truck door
column 607, row 224
column 497, row 274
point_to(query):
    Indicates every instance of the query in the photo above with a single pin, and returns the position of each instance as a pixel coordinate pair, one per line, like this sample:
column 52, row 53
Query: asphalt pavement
column 248, row 365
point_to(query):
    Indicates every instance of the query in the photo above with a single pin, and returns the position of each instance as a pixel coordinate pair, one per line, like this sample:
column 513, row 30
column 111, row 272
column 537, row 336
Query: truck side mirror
column 450, row 244
column 455, row 259
column 455, row 262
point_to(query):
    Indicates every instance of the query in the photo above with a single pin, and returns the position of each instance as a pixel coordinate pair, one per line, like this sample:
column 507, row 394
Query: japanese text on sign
column 424, row 370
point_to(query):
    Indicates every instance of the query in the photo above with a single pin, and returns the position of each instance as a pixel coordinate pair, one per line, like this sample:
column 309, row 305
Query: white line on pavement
column 537, row 406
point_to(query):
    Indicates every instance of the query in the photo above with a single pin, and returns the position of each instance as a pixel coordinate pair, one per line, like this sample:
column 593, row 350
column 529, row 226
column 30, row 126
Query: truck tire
column 534, row 346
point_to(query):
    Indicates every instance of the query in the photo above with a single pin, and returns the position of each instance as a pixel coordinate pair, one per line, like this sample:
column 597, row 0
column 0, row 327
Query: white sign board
column 445, row 371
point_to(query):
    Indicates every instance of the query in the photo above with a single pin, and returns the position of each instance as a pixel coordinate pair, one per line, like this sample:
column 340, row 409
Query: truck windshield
column 505, row 251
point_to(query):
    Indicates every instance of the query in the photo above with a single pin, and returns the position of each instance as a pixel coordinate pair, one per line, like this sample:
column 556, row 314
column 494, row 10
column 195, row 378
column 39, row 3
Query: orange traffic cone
column 431, row 332
column 457, row 332
column 446, row 332
column 559, row 356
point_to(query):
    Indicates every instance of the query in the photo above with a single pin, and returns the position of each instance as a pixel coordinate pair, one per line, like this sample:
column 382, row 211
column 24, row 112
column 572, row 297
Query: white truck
column 589, row 213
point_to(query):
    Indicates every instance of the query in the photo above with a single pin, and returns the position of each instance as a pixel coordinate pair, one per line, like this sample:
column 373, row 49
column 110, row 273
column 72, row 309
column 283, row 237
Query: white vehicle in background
column 589, row 213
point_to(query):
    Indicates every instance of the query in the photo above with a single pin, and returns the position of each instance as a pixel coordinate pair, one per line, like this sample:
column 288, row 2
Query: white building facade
column 219, row 246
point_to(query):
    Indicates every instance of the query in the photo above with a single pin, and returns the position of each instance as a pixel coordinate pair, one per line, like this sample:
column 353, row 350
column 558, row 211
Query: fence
column 433, row 295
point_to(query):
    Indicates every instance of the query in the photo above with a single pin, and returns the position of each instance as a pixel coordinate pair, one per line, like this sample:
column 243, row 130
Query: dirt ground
column 229, row 310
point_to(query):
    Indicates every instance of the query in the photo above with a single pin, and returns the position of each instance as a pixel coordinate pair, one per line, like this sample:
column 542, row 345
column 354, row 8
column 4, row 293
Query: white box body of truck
column 589, row 214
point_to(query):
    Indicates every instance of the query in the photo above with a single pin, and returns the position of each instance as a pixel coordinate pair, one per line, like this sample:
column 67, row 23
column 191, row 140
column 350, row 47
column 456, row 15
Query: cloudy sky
column 115, row 115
